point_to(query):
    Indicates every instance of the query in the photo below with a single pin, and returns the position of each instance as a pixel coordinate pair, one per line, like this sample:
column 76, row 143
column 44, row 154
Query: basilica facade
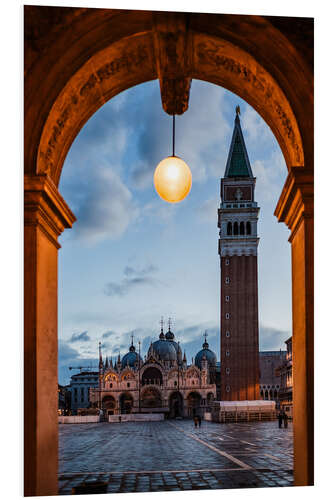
column 162, row 382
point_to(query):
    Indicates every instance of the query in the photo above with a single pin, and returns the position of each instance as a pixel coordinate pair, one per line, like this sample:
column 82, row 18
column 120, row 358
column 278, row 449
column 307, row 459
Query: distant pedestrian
column 120, row 419
column 285, row 420
column 280, row 417
column 195, row 421
column 199, row 420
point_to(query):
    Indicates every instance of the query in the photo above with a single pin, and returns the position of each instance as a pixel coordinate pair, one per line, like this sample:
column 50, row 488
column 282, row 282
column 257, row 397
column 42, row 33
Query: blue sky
column 131, row 257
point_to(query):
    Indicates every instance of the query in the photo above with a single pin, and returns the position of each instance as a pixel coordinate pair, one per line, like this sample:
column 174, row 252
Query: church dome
column 131, row 358
column 169, row 336
column 207, row 354
column 164, row 350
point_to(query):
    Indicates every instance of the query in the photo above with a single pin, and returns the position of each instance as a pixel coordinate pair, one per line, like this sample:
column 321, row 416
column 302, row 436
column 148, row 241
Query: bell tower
column 238, row 243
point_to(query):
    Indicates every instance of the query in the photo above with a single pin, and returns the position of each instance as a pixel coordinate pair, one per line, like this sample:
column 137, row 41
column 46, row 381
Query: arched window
column 229, row 229
column 241, row 228
column 266, row 395
column 236, row 228
column 248, row 227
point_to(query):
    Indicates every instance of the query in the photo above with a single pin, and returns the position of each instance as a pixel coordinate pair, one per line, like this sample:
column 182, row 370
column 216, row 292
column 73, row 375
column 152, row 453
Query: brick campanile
column 238, row 242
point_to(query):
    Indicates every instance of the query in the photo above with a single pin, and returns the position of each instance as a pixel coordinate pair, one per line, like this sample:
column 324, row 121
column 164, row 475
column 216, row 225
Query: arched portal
column 193, row 404
column 210, row 398
column 176, row 405
column 151, row 398
column 265, row 61
column 109, row 404
column 126, row 403
column 152, row 376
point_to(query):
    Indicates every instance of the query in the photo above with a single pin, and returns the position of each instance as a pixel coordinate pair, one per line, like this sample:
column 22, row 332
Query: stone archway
column 152, row 375
column 176, row 404
column 266, row 61
column 193, row 404
column 109, row 404
column 126, row 403
column 151, row 398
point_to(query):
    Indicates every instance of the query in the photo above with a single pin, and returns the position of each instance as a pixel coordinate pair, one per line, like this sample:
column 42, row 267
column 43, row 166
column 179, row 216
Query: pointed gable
column 238, row 164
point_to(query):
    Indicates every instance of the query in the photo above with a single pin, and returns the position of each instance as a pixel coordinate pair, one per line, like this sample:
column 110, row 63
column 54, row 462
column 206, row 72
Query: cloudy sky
column 131, row 258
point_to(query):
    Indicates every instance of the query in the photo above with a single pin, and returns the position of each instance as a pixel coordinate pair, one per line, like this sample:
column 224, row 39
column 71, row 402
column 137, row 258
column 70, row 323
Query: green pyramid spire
column 238, row 164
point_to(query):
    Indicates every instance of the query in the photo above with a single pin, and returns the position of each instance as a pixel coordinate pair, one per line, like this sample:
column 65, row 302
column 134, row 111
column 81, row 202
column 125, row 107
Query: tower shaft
column 238, row 242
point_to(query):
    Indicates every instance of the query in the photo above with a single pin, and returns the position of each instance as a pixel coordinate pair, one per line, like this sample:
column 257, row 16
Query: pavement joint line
column 246, row 442
column 227, row 435
column 272, row 456
column 222, row 453
column 235, row 469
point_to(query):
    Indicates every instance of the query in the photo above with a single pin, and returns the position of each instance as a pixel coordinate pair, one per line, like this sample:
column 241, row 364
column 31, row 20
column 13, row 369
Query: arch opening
column 152, row 376
column 47, row 143
column 126, row 403
column 131, row 61
column 151, row 398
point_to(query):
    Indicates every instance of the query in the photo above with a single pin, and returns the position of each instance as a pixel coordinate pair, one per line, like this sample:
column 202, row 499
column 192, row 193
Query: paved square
column 174, row 456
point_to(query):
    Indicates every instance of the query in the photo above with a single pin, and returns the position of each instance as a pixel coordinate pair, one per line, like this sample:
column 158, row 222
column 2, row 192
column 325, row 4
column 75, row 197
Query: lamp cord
column 173, row 135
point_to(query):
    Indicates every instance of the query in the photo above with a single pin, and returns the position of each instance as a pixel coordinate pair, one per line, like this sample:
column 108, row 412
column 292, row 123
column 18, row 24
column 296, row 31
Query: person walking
column 195, row 421
column 280, row 418
column 285, row 420
column 199, row 420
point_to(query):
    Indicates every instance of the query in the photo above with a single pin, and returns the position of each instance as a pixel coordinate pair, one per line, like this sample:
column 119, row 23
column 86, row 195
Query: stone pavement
column 174, row 456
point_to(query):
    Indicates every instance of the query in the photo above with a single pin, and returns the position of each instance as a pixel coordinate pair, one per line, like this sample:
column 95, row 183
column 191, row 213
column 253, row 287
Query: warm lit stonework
column 75, row 60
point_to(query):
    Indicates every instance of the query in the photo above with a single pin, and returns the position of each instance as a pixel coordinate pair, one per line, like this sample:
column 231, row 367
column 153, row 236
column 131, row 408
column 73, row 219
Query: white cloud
column 254, row 126
column 269, row 173
column 202, row 131
column 272, row 339
column 208, row 210
column 104, row 207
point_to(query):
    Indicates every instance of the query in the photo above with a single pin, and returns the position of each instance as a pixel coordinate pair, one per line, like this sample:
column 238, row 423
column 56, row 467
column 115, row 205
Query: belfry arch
column 76, row 59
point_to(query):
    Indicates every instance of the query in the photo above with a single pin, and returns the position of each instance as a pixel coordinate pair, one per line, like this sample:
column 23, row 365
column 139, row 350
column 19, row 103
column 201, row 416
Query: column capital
column 296, row 200
column 45, row 207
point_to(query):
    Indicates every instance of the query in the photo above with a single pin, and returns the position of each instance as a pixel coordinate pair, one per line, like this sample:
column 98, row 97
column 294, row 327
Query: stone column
column 295, row 208
column 46, row 215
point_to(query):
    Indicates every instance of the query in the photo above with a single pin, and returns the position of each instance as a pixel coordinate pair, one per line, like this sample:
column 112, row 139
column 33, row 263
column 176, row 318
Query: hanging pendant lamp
column 172, row 177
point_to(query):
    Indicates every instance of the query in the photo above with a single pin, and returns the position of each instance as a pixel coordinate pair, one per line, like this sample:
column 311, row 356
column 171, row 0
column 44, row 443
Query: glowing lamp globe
column 172, row 179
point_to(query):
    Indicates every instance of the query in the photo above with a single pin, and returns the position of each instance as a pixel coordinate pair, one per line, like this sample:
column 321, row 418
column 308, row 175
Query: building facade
column 80, row 385
column 238, row 242
column 64, row 400
column 269, row 380
column 285, row 373
column 161, row 383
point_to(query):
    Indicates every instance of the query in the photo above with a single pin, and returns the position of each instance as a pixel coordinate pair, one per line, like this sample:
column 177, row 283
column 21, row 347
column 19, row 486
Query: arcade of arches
column 75, row 60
